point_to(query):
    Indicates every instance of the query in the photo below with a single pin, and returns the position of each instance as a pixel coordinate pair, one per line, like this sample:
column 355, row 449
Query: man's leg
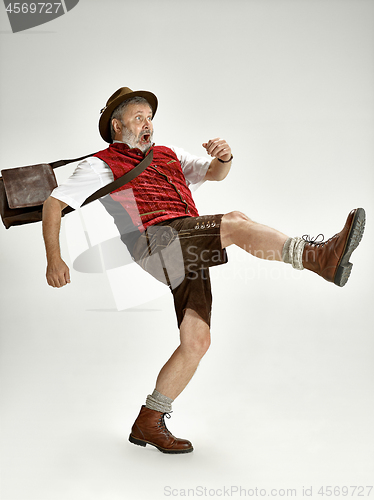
column 150, row 427
column 179, row 369
column 257, row 239
column 329, row 259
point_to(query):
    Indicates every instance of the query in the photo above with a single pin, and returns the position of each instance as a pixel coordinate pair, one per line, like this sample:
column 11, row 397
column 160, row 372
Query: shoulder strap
column 60, row 163
column 121, row 181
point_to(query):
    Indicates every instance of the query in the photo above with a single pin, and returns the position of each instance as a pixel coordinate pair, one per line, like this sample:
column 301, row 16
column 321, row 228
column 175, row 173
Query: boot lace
column 314, row 240
column 161, row 422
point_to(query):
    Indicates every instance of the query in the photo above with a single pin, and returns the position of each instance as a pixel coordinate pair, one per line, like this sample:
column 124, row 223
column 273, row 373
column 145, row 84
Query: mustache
column 145, row 132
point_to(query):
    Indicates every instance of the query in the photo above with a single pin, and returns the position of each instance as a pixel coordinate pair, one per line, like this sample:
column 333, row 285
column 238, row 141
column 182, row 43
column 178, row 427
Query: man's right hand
column 58, row 274
column 57, row 271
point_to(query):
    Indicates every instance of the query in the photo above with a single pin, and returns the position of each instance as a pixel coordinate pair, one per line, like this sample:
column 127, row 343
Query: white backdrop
column 284, row 397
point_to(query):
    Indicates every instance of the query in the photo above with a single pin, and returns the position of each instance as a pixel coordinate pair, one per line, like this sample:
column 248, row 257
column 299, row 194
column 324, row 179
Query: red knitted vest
column 157, row 194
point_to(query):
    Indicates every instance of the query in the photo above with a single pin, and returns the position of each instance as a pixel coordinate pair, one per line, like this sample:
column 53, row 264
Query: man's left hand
column 218, row 148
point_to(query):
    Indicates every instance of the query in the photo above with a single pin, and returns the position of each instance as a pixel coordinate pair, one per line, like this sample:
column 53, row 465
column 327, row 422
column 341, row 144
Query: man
column 159, row 222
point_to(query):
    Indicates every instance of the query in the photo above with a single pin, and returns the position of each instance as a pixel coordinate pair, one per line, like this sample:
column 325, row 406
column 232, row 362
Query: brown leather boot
column 330, row 259
column 150, row 428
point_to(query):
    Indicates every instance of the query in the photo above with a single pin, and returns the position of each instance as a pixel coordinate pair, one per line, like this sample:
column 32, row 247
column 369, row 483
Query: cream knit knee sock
column 159, row 402
column 292, row 252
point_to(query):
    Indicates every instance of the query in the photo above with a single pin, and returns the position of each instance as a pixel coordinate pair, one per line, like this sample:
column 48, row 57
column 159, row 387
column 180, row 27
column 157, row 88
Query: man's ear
column 116, row 125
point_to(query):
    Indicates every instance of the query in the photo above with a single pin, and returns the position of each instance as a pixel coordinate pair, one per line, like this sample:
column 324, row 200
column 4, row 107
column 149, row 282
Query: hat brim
column 104, row 122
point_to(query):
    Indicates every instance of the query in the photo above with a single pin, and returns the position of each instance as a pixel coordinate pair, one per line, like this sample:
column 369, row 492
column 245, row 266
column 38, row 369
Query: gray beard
column 134, row 142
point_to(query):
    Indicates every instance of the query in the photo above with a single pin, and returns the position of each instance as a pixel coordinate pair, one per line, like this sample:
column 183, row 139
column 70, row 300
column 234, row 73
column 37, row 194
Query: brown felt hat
column 122, row 94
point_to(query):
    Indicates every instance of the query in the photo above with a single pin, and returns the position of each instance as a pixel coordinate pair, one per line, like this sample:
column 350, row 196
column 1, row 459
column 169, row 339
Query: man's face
column 137, row 127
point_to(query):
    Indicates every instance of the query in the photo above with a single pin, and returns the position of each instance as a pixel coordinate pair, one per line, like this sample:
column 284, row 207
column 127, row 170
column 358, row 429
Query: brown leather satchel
column 23, row 190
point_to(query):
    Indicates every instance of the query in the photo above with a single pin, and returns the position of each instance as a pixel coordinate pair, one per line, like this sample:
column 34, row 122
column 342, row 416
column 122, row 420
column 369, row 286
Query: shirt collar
column 130, row 147
column 121, row 142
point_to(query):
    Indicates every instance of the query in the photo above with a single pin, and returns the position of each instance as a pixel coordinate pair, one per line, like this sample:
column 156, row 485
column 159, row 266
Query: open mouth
column 145, row 137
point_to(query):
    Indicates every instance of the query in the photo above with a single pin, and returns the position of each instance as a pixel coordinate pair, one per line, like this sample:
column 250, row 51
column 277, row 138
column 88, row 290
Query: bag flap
column 28, row 186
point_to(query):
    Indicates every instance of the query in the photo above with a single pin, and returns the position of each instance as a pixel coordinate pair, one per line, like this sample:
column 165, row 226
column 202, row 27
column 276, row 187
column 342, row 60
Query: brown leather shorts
column 179, row 252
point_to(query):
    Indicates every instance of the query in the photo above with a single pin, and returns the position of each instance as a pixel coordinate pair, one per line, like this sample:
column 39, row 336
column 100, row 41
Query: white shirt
column 92, row 174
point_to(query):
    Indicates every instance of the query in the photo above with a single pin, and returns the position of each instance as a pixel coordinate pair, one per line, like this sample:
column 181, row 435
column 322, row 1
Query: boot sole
column 354, row 237
column 141, row 442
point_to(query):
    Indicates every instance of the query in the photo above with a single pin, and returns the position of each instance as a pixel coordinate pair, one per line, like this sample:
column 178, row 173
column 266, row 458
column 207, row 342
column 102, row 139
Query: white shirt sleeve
column 90, row 175
column 193, row 167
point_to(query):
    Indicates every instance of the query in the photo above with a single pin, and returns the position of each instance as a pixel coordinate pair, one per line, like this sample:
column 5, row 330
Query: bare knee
column 195, row 334
column 197, row 345
column 231, row 223
column 236, row 217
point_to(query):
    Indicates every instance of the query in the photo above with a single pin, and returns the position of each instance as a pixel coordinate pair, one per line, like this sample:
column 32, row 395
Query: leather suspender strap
column 121, row 181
